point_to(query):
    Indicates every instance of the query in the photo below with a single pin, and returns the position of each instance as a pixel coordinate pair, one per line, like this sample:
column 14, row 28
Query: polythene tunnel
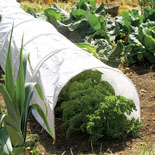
column 54, row 59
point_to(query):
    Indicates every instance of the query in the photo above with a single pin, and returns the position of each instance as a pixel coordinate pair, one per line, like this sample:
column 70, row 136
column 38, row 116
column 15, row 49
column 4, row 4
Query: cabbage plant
column 17, row 97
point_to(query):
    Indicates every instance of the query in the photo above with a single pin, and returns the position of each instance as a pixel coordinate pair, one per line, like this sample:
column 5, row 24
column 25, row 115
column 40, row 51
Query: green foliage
column 88, row 47
column 17, row 97
column 113, row 41
column 141, row 43
column 146, row 4
column 147, row 35
column 84, row 11
column 89, row 104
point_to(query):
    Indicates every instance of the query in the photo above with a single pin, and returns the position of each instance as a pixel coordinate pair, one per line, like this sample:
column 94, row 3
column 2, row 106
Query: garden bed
column 144, row 79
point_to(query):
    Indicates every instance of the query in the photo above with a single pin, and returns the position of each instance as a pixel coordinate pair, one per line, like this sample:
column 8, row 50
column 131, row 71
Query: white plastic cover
column 54, row 59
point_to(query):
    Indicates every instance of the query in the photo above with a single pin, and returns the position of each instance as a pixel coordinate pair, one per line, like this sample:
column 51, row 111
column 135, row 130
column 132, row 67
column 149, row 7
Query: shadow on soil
column 141, row 68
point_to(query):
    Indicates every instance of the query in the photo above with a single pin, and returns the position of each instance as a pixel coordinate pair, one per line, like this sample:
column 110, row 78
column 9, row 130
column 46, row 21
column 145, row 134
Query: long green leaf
column 93, row 21
column 25, row 60
column 5, row 141
column 14, row 131
column 29, row 88
column 42, row 115
column 10, row 122
column 9, row 80
column 40, row 93
column 9, row 104
column 15, row 136
column 20, row 82
column 1, row 151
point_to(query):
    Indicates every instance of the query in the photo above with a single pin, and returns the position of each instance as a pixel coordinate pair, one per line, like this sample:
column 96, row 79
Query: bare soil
column 144, row 79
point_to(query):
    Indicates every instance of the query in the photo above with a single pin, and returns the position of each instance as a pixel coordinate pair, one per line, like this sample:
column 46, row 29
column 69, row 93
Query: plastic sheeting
column 54, row 59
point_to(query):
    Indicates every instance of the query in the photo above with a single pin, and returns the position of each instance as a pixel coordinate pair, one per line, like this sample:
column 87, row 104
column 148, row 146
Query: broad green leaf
column 79, row 14
column 133, row 40
column 92, row 4
column 77, row 25
column 126, row 18
column 93, row 21
column 88, row 47
column 149, row 42
column 80, row 3
column 102, row 34
column 150, row 57
column 52, row 12
column 116, row 53
column 134, row 14
column 146, row 34
column 53, row 15
column 9, row 80
column 115, row 56
column 5, row 142
column 149, row 14
column 112, row 28
column 64, row 15
column 10, row 106
column 42, row 115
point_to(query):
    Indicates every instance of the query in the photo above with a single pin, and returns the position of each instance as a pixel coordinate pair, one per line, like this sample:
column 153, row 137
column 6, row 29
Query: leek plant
column 17, row 97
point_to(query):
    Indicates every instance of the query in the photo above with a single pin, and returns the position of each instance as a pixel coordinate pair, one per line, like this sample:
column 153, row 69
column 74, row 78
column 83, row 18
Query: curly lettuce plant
column 17, row 97
column 90, row 105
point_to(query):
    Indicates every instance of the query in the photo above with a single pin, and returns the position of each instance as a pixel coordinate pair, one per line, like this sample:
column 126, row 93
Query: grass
column 40, row 5
column 33, row 6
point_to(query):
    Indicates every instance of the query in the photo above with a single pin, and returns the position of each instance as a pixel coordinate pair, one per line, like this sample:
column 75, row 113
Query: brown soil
column 144, row 80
